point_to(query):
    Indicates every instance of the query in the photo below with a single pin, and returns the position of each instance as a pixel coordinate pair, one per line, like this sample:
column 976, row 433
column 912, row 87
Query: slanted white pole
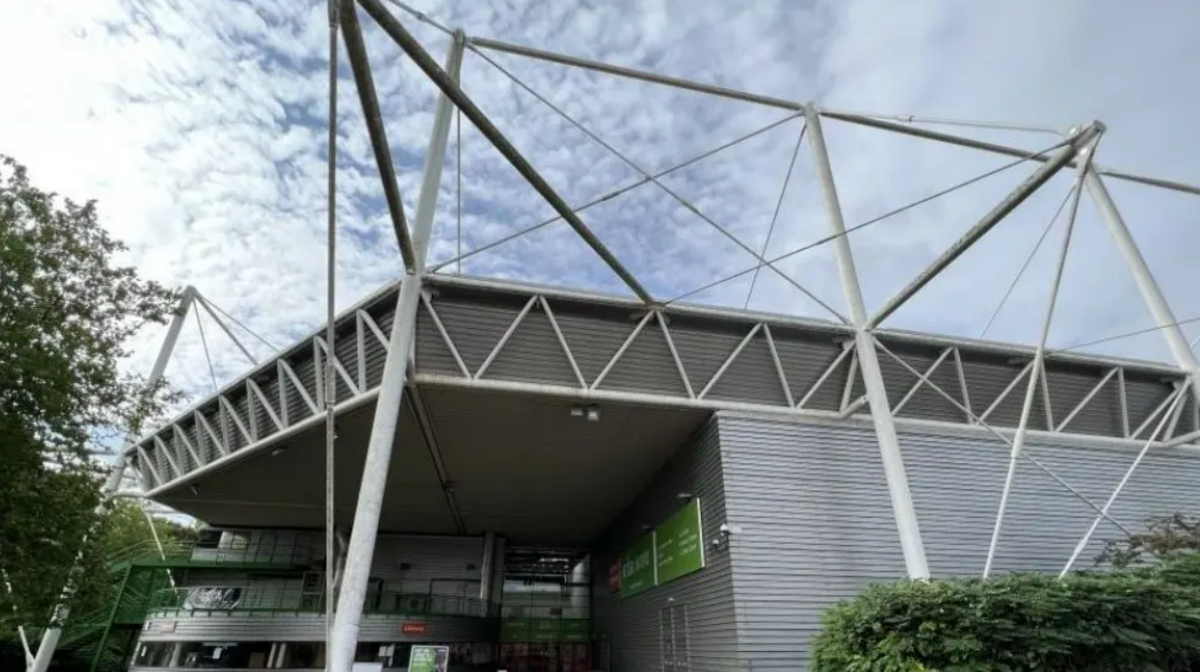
column 881, row 414
column 391, row 390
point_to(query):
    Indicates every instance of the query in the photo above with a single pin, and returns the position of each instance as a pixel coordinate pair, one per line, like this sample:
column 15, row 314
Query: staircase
column 103, row 641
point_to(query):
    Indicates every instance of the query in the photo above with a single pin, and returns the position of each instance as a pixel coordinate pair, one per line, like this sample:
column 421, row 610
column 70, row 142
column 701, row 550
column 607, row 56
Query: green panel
column 514, row 630
column 576, row 630
column 637, row 567
column 544, row 629
column 679, row 544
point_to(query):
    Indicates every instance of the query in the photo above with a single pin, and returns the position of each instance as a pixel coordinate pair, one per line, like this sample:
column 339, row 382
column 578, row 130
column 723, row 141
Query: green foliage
column 1142, row 619
column 1164, row 535
column 66, row 312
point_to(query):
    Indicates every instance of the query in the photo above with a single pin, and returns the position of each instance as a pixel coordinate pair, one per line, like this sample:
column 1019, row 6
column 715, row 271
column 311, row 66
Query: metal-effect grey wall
column 816, row 521
column 631, row 626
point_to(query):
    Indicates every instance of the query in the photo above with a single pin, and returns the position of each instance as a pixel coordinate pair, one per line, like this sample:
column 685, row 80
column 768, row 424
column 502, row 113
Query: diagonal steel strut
column 454, row 92
column 356, row 52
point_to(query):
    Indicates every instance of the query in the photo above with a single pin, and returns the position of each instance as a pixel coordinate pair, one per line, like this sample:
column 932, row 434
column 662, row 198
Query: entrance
column 546, row 611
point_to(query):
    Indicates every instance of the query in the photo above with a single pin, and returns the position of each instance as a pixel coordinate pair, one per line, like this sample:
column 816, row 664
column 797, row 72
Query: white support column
column 486, row 567
column 1151, row 294
column 361, row 550
column 1036, row 368
column 885, row 428
column 51, row 635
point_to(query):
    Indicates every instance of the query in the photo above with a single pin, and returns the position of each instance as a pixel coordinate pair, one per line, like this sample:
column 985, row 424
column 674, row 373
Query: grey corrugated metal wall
column 816, row 520
column 631, row 626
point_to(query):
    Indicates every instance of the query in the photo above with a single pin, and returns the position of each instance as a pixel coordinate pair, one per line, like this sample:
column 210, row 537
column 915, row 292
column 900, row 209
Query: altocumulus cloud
column 200, row 128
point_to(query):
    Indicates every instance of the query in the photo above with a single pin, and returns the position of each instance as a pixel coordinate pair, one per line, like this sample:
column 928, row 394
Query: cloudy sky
column 200, row 127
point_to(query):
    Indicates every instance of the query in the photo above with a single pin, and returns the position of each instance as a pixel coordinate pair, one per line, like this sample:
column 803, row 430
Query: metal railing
column 275, row 598
column 252, row 551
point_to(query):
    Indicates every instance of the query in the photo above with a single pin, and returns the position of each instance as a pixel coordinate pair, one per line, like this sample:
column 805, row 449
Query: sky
column 200, row 127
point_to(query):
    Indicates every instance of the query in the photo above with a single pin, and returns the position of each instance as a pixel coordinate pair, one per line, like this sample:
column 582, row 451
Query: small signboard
column 637, row 567
column 429, row 659
column 514, row 629
column 414, row 628
column 679, row 544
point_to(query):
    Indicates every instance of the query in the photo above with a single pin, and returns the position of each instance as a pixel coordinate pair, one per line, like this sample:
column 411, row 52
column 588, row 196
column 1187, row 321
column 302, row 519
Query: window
column 154, row 654
column 208, row 538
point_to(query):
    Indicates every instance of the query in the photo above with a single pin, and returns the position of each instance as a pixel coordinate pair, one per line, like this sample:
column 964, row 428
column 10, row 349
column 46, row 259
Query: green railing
column 267, row 598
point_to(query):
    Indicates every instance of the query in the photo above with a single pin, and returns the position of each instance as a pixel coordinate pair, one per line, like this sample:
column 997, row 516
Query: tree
column 1164, row 536
column 67, row 309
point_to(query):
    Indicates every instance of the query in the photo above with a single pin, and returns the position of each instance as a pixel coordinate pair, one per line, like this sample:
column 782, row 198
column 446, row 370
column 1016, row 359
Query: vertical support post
column 361, row 550
column 1036, row 368
column 868, row 361
column 49, row 643
column 485, row 570
column 1151, row 294
column 330, row 399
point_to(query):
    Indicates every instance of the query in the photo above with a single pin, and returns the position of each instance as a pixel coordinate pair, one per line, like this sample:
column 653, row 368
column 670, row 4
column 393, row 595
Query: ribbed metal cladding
column 816, row 520
column 476, row 316
column 631, row 626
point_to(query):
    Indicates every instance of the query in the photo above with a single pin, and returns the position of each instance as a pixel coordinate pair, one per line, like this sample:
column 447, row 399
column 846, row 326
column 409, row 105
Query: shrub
column 1133, row 619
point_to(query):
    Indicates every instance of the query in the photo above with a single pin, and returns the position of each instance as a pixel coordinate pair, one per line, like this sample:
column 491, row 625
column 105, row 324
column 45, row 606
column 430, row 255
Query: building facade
column 579, row 483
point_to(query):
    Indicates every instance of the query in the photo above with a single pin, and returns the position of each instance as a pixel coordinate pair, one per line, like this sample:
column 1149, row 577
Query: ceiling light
column 577, row 411
column 684, row 496
column 195, row 489
column 593, row 414
column 276, row 451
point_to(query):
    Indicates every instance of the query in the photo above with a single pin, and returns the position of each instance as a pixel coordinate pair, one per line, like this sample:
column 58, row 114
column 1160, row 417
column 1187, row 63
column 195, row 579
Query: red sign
column 614, row 576
column 413, row 628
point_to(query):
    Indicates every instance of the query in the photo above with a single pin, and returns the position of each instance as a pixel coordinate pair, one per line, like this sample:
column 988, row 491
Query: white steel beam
column 787, row 390
column 632, row 73
column 837, row 361
column 729, row 360
column 1086, row 399
column 361, row 550
column 1179, row 395
column 921, row 381
column 216, row 440
column 51, row 634
column 437, row 322
column 1147, row 285
column 962, row 384
column 262, row 399
column 621, row 350
column 562, row 341
column 995, row 432
column 666, row 332
column 1009, row 203
column 885, row 428
column 449, row 87
column 187, row 444
column 1085, row 152
column 1005, row 392
column 512, row 328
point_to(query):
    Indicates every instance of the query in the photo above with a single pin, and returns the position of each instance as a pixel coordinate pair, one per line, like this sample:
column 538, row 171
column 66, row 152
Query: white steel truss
column 291, row 394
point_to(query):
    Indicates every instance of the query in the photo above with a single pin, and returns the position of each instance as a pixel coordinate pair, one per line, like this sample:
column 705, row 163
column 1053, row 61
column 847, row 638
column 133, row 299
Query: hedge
column 1140, row 619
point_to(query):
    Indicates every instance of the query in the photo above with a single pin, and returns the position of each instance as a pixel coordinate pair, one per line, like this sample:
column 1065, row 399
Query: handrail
column 251, row 552
column 275, row 598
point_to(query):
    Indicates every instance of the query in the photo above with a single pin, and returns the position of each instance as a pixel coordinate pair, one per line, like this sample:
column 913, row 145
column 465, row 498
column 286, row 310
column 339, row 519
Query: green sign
column 519, row 630
column 637, row 567
column 575, row 630
column 513, row 629
column 428, row 659
column 679, row 544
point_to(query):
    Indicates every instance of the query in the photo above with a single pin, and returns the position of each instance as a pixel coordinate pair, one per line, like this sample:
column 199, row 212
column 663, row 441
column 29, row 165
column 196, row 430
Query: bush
column 1141, row 619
